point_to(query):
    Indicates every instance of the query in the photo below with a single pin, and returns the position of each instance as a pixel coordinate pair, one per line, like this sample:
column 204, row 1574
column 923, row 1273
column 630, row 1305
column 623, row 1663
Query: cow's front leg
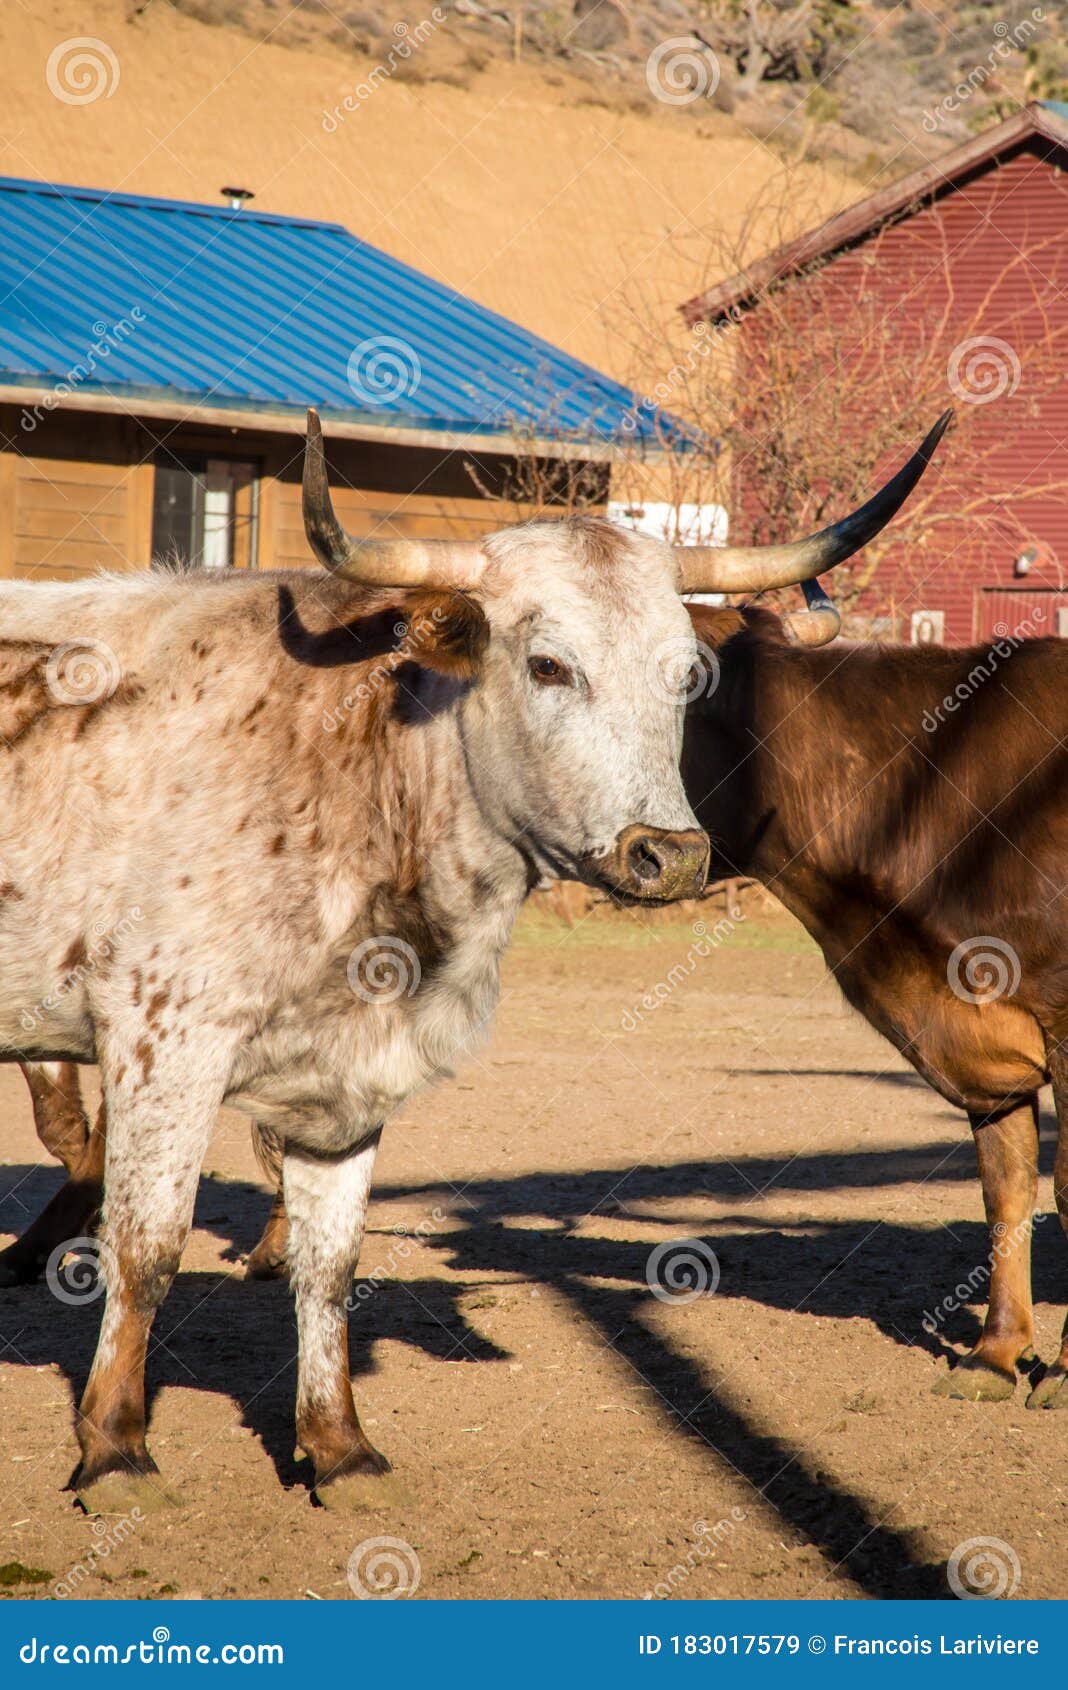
column 1007, row 1150
column 326, row 1198
column 160, row 1118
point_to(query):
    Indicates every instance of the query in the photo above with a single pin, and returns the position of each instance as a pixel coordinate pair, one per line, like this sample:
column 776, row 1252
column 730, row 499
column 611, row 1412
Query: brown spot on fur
column 138, row 985
column 185, row 881
column 277, row 845
column 155, row 1004
column 76, row 957
column 144, row 1051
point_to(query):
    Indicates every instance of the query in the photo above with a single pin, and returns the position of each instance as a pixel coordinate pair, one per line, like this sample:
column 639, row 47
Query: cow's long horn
column 377, row 563
column 753, row 569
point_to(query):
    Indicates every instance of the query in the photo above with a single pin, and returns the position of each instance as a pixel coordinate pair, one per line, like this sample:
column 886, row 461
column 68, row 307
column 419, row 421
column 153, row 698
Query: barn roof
column 1043, row 120
column 164, row 308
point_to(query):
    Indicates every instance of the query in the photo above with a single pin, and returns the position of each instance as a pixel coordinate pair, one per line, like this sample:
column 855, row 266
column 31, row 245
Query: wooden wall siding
column 984, row 226
column 76, row 492
column 390, row 491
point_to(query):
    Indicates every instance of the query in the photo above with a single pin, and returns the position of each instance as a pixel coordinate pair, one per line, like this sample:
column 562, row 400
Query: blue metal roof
column 144, row 298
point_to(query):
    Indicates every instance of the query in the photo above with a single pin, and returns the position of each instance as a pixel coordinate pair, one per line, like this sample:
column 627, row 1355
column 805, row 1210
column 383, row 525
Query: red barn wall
column 964, row 251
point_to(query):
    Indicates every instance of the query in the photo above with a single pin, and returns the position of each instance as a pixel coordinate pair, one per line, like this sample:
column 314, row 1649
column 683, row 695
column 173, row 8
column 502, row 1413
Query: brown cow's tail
column 268, row 1151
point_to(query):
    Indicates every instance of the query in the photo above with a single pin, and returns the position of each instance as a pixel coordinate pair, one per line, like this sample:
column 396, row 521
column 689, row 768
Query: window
column 204, row 512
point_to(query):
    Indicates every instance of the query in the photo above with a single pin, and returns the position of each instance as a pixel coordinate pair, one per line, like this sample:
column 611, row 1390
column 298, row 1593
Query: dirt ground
column 558, row 1428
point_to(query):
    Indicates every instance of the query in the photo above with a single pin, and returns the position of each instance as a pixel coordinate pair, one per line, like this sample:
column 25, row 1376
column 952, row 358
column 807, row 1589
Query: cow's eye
column 549, row 673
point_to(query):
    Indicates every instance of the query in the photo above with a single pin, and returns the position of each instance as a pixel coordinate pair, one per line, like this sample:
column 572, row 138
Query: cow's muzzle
column 653, row 864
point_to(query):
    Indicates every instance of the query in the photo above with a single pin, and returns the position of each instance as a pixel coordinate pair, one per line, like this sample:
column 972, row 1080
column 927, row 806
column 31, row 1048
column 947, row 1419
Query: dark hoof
column 266, row 1266
column 122, row 1493
column 1051, row 1390
column 974, row 1380
column 364, row 1480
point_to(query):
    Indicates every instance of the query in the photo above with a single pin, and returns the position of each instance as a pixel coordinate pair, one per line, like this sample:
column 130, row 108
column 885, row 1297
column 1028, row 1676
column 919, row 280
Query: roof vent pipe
column 237, row 196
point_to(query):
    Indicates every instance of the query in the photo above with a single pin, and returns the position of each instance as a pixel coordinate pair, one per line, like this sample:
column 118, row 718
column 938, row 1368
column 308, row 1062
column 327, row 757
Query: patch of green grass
column 13, row 1572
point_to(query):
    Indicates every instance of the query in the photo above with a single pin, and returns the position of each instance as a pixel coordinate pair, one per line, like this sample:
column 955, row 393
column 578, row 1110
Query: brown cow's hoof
column 266, row 1266
column 1051, row 1390
column 975, row 1381
column 122, row 1493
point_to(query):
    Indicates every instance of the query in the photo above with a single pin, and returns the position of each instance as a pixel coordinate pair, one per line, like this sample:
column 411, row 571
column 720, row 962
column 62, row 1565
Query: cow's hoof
column 1051, row 1390
column 122, row 1493
column 975, row 1381
column 361, row 1493
column 266, row 1266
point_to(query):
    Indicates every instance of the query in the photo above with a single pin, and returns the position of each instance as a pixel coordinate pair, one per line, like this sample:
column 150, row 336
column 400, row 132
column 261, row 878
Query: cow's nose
column 653, row 862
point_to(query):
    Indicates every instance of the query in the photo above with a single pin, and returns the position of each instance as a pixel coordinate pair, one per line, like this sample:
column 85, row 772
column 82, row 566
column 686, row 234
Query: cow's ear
column 446, row 632
column 715, row 624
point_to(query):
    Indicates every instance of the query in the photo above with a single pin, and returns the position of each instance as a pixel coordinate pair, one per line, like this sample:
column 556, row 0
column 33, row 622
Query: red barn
column 975, row 244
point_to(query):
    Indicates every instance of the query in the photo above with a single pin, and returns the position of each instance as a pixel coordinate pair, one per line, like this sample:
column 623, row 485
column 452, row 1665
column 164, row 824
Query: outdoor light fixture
column 237, row 196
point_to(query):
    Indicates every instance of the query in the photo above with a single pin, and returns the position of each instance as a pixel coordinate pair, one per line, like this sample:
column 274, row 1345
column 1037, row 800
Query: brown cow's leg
column 1007, row 1150
column 1052, row 1389
column 327, row 1200
column 71, row 1214
column 269, row 1260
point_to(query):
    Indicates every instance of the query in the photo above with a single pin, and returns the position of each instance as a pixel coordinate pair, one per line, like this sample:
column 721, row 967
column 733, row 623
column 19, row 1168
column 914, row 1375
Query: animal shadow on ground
column 221, row 1334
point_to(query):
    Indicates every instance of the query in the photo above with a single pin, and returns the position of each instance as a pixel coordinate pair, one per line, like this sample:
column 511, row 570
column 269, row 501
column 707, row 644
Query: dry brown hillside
column 522, row 185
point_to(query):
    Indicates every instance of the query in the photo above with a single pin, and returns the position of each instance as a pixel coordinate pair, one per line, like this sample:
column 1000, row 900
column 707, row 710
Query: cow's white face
column 574, row 731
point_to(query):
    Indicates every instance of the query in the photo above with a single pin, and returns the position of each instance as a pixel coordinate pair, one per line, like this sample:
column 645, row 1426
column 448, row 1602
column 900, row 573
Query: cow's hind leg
column 270, row 1258
column 159, row 1123
column 62, row 1127
column 1007, row 1151
column 1052, row 1389
column 71, row 1214
column 327, row 1197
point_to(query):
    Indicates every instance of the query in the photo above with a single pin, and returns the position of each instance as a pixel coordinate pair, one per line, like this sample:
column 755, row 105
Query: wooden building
column 977, row 239
column 157, row 357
